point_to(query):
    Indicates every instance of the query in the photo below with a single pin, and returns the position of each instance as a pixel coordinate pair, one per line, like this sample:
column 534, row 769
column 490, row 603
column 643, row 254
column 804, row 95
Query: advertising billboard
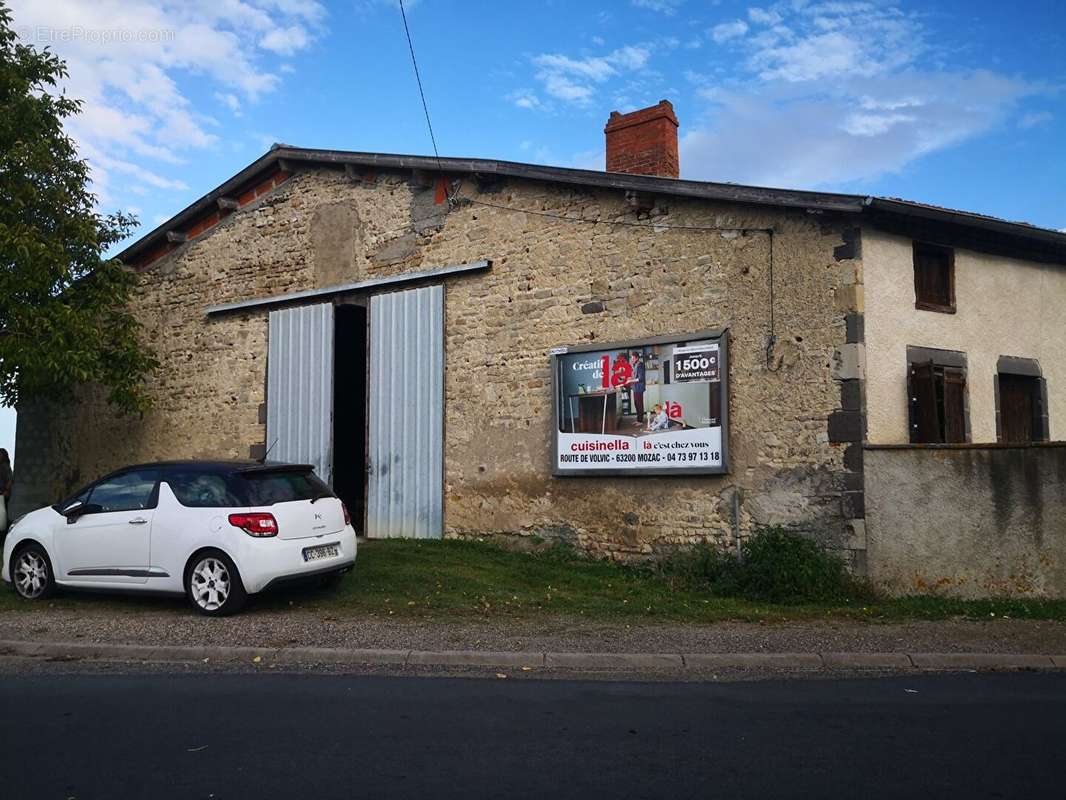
column 648, row 407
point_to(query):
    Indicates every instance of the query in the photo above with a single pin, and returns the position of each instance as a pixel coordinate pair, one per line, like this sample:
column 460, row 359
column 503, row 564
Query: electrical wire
column 453, row 197
column 421, row 92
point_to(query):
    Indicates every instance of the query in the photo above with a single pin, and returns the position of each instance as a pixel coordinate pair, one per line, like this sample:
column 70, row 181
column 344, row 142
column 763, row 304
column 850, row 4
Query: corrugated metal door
column 406, row 430
column 300, row 387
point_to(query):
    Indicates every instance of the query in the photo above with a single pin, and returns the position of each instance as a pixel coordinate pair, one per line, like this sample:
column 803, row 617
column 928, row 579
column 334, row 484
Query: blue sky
column 957, row 103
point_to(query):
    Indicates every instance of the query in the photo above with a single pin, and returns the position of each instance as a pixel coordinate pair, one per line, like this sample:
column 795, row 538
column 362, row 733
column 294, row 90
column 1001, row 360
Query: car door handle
column 138, row 521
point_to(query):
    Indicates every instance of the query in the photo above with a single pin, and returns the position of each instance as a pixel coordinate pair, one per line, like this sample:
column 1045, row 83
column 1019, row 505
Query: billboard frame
column 721, row 335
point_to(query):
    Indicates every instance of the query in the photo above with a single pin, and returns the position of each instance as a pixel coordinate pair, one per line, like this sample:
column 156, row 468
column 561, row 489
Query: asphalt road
column 325, row 736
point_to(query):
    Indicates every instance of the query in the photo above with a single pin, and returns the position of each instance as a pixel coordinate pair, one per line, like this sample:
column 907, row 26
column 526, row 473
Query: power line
column 421, row 92
column 453, row 198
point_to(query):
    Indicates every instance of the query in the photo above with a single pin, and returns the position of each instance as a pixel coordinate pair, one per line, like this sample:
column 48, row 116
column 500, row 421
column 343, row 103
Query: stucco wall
column 1005, row 307
column 967, row 521
column 553, row 282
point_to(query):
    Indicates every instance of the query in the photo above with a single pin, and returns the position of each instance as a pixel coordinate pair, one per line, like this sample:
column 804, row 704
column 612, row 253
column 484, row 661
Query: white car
column 215, row 531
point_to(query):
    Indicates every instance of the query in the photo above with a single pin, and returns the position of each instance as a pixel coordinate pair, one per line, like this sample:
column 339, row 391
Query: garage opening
column 349, row 409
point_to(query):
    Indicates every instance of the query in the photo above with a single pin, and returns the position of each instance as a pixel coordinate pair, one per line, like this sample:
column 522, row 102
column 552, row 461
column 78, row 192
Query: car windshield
column 267, row 488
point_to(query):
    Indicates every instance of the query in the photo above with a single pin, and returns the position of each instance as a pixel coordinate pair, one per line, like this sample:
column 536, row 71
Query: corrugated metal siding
column 404, row 493
column 300, row 387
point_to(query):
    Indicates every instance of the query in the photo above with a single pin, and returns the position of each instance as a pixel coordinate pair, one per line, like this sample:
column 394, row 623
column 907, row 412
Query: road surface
column 324, row 736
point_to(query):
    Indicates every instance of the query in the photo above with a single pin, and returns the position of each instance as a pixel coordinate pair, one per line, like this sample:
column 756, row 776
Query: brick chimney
column 643, row 142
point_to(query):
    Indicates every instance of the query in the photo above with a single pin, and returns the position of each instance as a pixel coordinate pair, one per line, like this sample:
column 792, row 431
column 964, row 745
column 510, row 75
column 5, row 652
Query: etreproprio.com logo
column 46, row 34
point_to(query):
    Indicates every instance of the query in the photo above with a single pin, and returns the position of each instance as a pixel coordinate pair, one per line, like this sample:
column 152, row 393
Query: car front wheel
column 213, row 584
column 31, row 573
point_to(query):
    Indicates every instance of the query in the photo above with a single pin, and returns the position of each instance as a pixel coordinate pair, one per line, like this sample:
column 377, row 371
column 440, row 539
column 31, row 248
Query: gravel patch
column 299, row 627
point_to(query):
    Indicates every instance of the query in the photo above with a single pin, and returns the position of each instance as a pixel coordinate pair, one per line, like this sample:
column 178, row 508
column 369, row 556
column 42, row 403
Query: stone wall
column 553, row 282
column 967, row 521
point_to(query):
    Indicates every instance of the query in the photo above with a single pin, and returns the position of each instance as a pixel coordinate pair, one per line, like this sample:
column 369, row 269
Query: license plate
column 321, row 551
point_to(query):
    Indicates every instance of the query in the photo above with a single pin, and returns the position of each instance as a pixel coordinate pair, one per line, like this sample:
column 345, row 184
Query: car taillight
column 256, row 524
column 347, row 516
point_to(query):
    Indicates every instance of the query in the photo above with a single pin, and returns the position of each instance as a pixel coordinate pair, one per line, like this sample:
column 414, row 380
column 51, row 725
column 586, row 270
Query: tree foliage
column 64, row 306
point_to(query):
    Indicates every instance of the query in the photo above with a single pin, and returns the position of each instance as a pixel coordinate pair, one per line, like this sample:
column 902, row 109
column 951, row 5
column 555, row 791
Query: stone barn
column 623, row 360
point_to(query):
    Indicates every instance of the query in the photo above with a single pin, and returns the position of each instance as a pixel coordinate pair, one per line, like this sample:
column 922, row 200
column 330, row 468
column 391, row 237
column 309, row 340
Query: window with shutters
column 934, row 278
column 937, row 403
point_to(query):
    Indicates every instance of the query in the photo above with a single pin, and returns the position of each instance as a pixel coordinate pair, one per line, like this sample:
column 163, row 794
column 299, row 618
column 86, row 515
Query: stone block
column 846, row 426
column 849, row 362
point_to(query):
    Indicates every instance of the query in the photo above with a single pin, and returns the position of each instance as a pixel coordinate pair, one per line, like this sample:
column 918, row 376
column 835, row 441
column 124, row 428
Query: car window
column 126, row 492
column 267, row 488
column 203, row 489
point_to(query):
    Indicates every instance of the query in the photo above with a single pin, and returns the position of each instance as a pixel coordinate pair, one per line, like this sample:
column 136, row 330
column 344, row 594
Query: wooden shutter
column 925, row 420
column 954, row 405
column 934, row 277
column 1016, row 407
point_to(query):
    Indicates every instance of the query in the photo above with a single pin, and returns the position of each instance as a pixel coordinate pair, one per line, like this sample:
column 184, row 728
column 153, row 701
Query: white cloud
column 229, row 100
column 729, row 30
column 129, row 61
column 668, row 7
column 526, row 98
column 1035, row 119
column 763, row 16
column 574, row 80
column 789, row 135
column 832, row 93
column 286, row 41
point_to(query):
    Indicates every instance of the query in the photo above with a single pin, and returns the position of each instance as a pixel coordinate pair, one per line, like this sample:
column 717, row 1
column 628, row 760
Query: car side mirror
column 73, row 510
column 78, row 509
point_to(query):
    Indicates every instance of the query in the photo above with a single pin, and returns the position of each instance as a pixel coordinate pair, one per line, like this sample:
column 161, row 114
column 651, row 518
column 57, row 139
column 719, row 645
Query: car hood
column 46, row 514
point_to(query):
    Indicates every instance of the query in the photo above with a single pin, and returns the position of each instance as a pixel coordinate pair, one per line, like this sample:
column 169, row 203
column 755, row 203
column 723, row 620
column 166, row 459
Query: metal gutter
column 347, row 288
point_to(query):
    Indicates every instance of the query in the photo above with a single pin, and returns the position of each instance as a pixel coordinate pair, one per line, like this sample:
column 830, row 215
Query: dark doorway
column 1019, row 408
column 349, row 410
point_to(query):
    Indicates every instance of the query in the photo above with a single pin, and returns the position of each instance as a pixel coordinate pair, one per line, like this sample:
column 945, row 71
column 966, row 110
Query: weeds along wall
column 553, row 282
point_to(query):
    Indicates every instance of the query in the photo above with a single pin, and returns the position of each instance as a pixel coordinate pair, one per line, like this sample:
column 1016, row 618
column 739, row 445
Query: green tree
column 64, row 306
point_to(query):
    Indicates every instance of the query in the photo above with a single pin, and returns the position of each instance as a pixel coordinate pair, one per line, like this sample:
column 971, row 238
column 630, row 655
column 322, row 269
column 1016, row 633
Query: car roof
column 218, row 465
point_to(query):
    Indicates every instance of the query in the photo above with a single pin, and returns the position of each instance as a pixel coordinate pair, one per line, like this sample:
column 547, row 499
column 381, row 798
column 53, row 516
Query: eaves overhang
column 984, row 232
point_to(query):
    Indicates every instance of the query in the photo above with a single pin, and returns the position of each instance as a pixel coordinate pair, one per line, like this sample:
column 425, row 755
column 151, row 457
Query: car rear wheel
column 31, row 573
column 213, row 584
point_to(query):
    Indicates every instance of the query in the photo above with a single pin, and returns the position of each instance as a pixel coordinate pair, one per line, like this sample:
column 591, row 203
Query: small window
column 195, row 489
column 129, row 491
column 937, row 403
column 934, row 278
